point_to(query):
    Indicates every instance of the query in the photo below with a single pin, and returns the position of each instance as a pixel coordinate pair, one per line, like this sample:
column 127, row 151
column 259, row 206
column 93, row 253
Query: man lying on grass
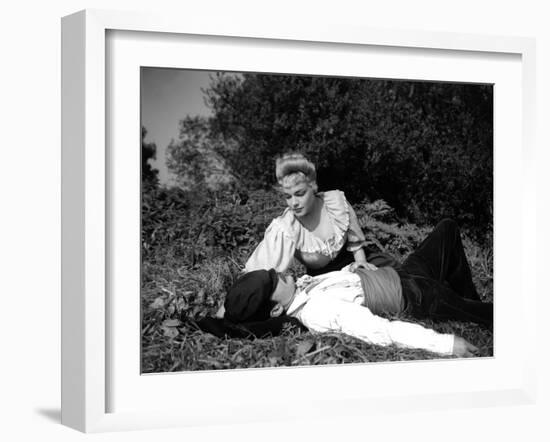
column 434, row 281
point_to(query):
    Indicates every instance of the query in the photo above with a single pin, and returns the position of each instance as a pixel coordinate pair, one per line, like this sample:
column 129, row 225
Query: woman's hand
column 361, row 264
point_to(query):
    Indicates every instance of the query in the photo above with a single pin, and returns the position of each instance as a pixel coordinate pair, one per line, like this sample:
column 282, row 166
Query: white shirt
column 334, row 302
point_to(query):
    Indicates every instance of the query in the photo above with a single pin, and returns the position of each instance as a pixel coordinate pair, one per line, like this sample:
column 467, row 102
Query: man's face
column 284, row 292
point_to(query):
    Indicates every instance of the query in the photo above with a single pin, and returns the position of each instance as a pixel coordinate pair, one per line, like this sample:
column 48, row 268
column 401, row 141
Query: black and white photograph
column 294, row 220
column 303, row 220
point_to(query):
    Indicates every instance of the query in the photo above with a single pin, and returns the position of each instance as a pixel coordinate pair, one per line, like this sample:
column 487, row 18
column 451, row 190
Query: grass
column 191, row 349
column 186, row 273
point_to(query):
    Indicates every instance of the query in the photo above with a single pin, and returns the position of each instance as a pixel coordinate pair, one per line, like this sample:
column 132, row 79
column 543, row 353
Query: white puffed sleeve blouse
column 285, row 238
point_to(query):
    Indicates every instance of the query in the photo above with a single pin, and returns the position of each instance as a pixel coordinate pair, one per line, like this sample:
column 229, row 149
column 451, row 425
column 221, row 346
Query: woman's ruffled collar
column 336, row 207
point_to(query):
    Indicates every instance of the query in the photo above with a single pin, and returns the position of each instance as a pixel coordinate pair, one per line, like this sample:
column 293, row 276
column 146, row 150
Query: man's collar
column 304, row 285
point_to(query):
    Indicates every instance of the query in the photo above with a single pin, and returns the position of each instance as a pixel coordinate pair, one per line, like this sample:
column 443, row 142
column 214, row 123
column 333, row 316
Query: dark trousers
column 437, row 282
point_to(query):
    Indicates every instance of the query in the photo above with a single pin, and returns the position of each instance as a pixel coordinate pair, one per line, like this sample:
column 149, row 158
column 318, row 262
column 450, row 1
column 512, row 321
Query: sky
column 167, row 96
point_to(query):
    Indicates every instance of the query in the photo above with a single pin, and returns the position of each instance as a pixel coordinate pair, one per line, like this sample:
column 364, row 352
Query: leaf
column 215, row 363
column 304, row 347
column 181, row 305
column 171, row 323
column 170, row 332
column 157, row 303
column 200, row 296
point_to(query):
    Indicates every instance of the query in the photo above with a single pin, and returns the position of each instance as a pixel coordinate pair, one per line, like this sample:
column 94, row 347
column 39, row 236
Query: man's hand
column 463, row 349
column 364, row 264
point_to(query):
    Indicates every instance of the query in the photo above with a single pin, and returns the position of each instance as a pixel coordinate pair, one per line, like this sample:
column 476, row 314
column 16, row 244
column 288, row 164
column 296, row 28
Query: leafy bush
column 201, row 224
column 424, row 147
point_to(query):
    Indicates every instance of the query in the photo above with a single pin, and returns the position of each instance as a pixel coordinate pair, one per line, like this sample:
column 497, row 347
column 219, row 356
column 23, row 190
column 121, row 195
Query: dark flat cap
column 249, row 299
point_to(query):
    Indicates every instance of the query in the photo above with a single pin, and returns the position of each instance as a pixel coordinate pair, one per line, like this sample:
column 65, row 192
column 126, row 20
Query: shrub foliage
column 424, row 147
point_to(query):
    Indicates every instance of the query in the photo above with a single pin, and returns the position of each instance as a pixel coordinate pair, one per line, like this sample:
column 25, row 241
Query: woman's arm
column 275, row 251
column 356, row 239
column 361, row 261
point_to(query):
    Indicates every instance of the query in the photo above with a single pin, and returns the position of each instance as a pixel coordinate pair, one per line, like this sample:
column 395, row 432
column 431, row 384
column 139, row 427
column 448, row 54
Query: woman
column 320, row 229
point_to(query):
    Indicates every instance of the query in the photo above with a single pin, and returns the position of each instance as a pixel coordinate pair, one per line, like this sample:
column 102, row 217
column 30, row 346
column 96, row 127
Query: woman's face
column 300, row 198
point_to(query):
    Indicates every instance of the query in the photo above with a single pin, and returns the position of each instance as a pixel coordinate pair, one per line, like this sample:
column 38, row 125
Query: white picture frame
column 89, row 173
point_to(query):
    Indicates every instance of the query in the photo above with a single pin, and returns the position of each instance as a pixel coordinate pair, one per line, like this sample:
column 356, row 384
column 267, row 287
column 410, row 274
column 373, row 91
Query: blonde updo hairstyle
column 295, row 168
